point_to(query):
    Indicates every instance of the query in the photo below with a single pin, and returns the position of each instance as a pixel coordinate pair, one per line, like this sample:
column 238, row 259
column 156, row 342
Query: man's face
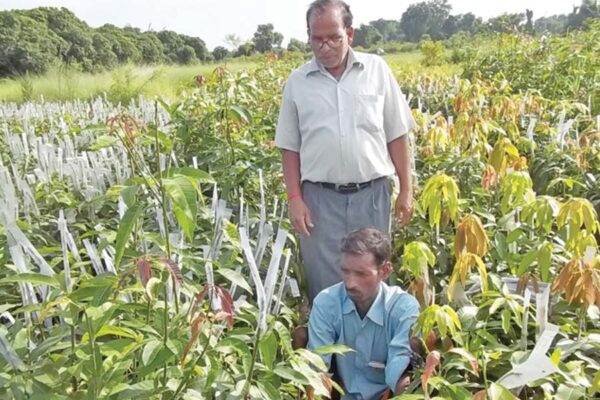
column 362, row 276
column 328, row 37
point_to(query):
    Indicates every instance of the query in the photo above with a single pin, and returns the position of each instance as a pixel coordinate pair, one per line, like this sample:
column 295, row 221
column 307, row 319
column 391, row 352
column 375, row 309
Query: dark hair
column 320, row 5
column 368, row 241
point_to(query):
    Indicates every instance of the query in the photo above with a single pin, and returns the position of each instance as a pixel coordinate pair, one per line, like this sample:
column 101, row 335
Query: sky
column 212, row 20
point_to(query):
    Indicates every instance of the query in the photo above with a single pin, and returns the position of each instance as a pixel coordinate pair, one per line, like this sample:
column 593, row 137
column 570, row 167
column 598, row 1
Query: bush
column 433, row 53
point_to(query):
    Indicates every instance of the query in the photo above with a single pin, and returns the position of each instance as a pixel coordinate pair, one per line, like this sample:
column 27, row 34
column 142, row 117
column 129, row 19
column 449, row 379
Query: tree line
column 433, row 20
column 33, row 40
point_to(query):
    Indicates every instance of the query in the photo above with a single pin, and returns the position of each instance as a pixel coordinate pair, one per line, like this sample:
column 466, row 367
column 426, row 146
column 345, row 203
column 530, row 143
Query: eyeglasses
column 333, row 42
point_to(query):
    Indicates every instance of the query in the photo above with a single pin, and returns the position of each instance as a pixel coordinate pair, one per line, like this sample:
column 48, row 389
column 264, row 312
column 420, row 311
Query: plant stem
column 185, row 380
column 246, row 390
column 164, row 202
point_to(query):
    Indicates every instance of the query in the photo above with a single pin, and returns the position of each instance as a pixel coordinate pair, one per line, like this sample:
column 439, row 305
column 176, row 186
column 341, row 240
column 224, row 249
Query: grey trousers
column 334, row 215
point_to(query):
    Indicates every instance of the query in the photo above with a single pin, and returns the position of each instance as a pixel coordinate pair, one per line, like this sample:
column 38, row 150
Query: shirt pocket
column 368, row 112
column 375, row 372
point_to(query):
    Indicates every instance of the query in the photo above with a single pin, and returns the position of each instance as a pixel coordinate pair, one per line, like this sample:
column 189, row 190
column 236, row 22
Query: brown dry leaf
column 430, row 341
column 196, row 330
column 432, row 361
column 481, row 395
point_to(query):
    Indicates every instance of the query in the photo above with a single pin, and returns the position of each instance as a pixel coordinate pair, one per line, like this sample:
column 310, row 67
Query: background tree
column 425, row 18
column 587, row 9
column 233, row 41
column 172, row 44
column 554, row 24
column 75, row 33
column 366, row 36
column 245, row 49
column 265, row 38
column 150, row 47
column 219, row 53
column 200, row 50
column 529, row 24
column 506, row 22
column 27, row 45
column 298, row 45
column 389, row 29
column 122, row 45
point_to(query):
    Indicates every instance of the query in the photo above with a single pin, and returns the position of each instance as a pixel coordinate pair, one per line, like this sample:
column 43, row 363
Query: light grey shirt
column 341, row 128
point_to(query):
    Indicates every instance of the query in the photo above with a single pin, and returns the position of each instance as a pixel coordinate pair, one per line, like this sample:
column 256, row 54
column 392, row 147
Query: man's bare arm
column 400, row 154
column 299, row 213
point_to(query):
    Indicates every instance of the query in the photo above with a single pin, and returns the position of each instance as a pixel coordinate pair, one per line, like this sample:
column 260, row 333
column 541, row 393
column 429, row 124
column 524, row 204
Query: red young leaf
column 144, row 270
column 226, row 305
column 174, row 269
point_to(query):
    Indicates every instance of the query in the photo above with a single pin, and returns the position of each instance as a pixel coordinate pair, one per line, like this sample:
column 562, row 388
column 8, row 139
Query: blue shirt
column 380, row 339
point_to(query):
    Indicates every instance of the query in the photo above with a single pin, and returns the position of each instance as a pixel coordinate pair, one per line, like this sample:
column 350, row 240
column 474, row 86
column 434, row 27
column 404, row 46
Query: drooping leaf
column 125, row 227
column 183, row 196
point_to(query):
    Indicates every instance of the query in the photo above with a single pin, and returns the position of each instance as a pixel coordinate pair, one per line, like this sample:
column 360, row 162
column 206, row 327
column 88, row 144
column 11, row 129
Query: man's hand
column 300, row 216
column 404, row 208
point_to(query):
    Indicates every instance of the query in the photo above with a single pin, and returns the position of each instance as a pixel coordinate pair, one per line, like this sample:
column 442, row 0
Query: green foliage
column 433, row 53
column 158, row 336
column 560, row 68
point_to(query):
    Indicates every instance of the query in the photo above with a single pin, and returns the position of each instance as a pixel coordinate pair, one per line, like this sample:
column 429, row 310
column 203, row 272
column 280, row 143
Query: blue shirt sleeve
column 402, row 317
column 321, row 325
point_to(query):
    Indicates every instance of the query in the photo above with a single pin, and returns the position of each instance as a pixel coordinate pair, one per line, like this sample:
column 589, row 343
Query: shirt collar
column 376, row 311
column 353, row 59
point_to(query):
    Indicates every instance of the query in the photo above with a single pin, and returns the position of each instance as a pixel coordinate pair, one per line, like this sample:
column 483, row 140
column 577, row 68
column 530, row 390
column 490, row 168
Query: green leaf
column 150, row 351
column 514, row 236
column 184, row 199
column 33, row 278
column 499, row 392
column 125, row 227
column 267, row 389
column 116, row 331
column 285, row 339
column 268, row 349
column 291, row 375
column 103, row 141
column 236, row 278
column 566, row 392
column 190, row 172
column 529, row 258
column 240, row 113
column 334, row 349
column 595, row 384
column 137, row 390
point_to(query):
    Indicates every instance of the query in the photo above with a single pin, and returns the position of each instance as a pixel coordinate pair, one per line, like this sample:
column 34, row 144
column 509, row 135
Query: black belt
column 348, row 187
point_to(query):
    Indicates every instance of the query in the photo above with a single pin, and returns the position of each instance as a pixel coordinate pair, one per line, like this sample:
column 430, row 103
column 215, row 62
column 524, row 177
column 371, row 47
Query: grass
column 63, row 83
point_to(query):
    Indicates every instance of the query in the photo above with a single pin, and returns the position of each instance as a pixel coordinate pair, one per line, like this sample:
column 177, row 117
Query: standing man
column 367, row 315
column 342, row 131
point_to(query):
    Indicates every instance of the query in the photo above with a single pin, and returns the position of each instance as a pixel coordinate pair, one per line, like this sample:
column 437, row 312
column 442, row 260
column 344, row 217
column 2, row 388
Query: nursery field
column 145, row 249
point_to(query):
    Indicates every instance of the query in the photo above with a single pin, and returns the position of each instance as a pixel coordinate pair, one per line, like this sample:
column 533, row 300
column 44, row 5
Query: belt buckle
column 347, row 188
